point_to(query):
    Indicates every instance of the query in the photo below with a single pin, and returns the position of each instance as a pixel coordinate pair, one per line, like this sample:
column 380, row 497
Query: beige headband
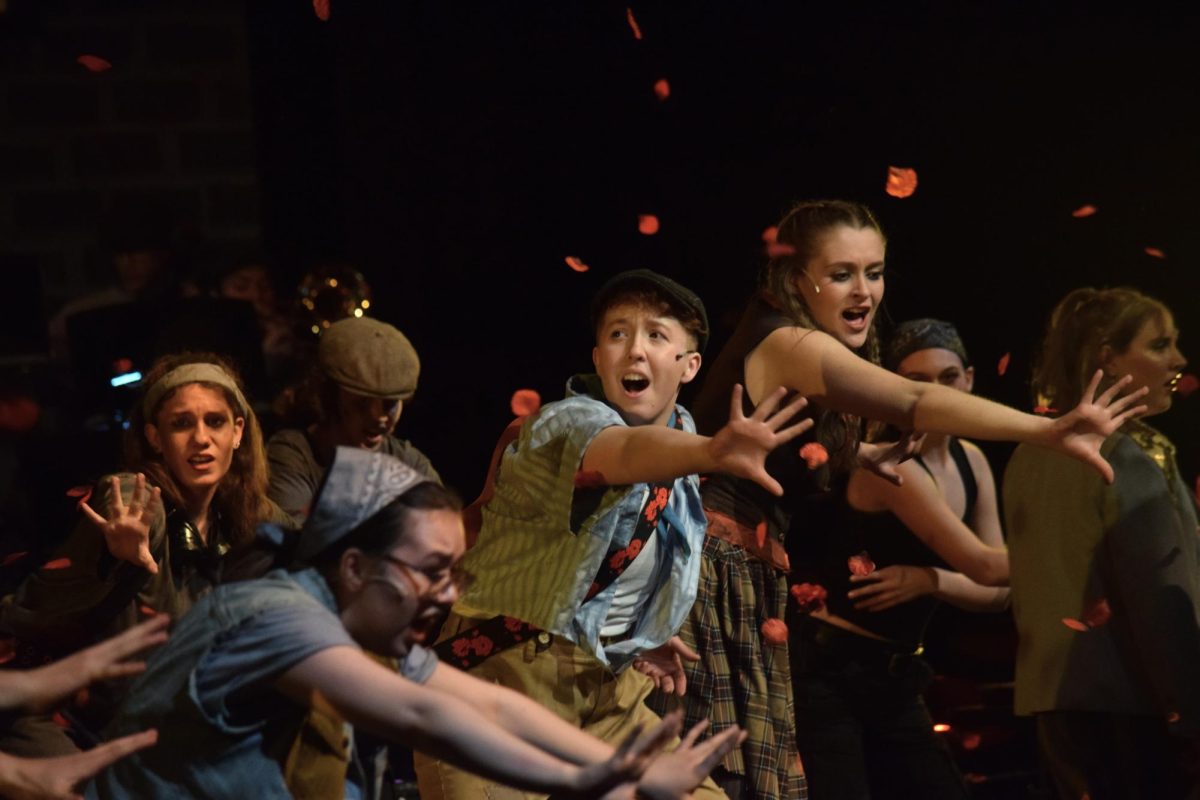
column 191, row 373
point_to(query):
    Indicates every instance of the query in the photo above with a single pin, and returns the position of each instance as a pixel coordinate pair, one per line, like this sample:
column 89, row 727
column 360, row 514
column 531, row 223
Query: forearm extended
column 939, row 409
column 960, row 591
column 647, row 454
column 537, row 725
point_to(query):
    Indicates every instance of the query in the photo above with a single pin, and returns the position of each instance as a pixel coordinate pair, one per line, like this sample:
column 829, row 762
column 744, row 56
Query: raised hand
column 126, row 528
column 882, row 459
column 1081, row 432
column 43, row 688
column 56, row 778
column 664, row 665
column 741, row 447
column 674, row 775
column 890, row 586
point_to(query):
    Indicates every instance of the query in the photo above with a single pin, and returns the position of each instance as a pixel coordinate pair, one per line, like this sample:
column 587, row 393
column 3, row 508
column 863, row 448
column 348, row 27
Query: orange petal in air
column 1155, row 252
column 575, row 264
column 1084, row 211
column 1187, row 384
column 647, row 224
column 1002, row 366
column 58, row 563
column 770, row 234
column 633, row 26
column 814, row 454
column 861, row 564
column 13, row 558
column 1097, row 613
column 662, row 89
column 93, row 63
column 321, row 9
column 901, row 181
column 525, row 402
column 1075, row 624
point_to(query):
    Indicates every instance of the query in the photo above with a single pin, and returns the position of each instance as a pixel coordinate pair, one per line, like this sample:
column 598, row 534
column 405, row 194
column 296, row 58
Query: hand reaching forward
column 126, row 528
column 892, row 585
column 56, row 778
column 1081, row 432
column 45, row 687
column 627, row 763
column 741, row 447
column 674, row 775
column 882, row 459
column 664, row 665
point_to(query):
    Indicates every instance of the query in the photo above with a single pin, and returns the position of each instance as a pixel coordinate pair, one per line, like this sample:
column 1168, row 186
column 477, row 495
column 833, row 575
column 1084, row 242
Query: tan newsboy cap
column 369, row 357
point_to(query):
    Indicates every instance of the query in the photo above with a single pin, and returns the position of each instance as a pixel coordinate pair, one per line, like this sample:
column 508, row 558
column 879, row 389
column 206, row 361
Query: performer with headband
column 154, row 539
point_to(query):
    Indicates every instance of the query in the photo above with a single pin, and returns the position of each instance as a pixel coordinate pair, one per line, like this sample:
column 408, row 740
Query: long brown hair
column 1081, row 325
column 241, row 497
column 800, row 233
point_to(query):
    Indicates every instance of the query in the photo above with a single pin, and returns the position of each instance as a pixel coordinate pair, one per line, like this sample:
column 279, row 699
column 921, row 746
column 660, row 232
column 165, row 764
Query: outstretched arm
column 819, row 367
column 377, row 699
column 656, row 453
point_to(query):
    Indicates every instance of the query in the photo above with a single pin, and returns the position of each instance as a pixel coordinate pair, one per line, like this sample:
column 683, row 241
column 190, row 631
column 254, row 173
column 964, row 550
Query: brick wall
column 168, row 130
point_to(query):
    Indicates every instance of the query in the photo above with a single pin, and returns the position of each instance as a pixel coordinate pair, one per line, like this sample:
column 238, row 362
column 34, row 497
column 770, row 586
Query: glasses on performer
column 438, row 581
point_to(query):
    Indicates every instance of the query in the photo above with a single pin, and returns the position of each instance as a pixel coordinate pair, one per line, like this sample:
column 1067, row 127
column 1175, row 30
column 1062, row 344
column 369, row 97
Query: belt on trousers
column 841, row 643
column 755, row 541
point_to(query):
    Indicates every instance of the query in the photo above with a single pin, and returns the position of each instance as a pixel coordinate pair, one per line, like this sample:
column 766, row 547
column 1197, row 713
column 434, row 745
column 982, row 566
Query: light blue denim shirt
column 542, row 540
column 223, row 730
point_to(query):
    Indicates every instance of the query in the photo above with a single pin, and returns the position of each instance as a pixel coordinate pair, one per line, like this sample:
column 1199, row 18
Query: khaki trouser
column 564, row 679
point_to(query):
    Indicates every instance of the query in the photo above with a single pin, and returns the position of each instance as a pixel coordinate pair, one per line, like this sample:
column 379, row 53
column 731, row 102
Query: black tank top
column 844, row 531
column 745, row 501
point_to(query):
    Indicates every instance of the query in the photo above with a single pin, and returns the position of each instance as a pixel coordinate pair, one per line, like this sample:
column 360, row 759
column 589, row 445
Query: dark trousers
column 862, row 729
column 1116, row 756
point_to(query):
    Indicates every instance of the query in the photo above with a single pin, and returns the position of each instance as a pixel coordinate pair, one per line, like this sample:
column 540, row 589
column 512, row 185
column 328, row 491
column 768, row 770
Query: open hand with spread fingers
column 664, row 665
column 741, row 447
column 675, row 774
column 57, row 778
column 126, row 528
column 1081, row 432
column 882, row 459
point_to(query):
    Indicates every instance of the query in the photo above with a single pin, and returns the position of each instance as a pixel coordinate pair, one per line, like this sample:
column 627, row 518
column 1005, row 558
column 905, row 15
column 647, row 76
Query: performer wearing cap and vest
column 377, row 563
column 151, row 540
column 366, row 371
column 588, row 556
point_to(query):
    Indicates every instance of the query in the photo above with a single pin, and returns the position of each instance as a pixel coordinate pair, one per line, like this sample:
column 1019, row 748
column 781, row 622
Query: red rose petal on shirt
column 662, row 89
column 93, row 63
column 861, row 564
column 1075, row 624
column 1084, row 211
column 1002, row 366
column 633, row 26
column 575, row 264
column 1187, row 384
column 901, row 181
column 1097, row 613
column 525, row 402
column 13, row 558
column 1154, row 251
column 58, row 563
column 321, row 9
column 814, row 454
column 774, row 631
column 647, row 224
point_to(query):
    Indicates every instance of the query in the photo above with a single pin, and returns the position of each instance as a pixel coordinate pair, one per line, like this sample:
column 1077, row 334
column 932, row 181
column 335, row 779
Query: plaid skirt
column 740, row 679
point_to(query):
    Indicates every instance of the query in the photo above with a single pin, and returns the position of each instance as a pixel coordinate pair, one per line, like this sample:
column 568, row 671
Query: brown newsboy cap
column 369, row 357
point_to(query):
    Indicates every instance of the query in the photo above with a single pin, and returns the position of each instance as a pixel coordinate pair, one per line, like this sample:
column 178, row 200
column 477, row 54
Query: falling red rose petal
column 809, row 597
column 321, row 9
column 975, row 777
column 971, row 741
column 1084, row 211
column 577, row 265
column 525, row 402
column 589, row 479
column 13, row 558
column 1002, row 367
column 775, row 250
column 1097, row 613
column 1187, row 384
column 58, row 563
column 147, row 610
column 774, row 631
column 93, row 63
column 647, row 224
column 770, row 234
column 19, row 414
column 662, row 89
column 1154, row 251
column 633, row 26
column 1173, row 716
column 814, row 454
column 901, row 181
column 861, row 564
column 1075, row 624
